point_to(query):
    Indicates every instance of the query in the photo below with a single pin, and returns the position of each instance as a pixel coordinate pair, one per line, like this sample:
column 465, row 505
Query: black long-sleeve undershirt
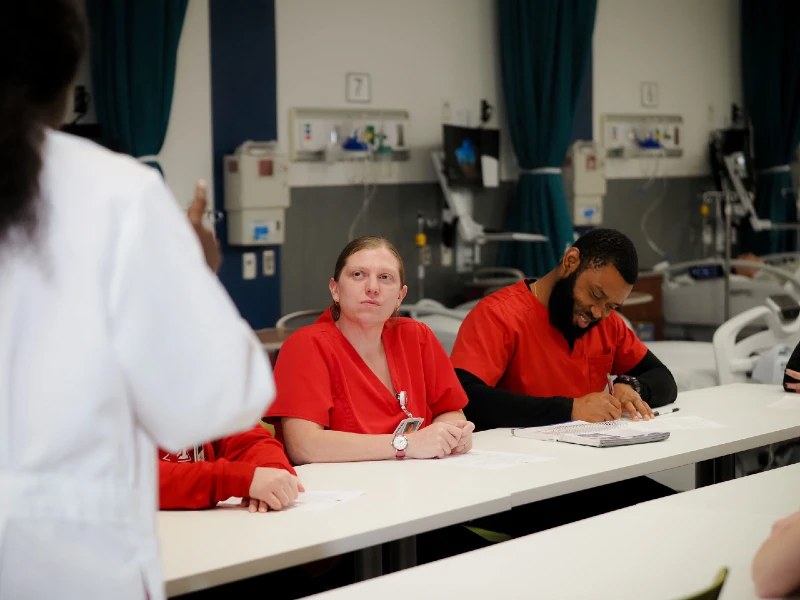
column 491, row 407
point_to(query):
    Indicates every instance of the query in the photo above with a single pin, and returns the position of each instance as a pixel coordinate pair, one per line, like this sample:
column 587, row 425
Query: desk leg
column 403, row 554
column 369, row 563
column 713, row 471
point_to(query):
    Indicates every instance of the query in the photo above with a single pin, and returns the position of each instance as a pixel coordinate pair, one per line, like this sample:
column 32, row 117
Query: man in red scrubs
column 541, row 351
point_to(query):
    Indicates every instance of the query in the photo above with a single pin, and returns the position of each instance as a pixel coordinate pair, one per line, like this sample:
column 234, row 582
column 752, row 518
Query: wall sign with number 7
column 358, row 87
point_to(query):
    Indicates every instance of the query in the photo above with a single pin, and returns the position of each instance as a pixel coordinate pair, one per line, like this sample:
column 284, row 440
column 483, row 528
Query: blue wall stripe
column 243, row 107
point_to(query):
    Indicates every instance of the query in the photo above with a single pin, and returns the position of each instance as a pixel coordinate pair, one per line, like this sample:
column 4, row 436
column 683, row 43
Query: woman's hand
column 273, row 489
column 792, row 386
column 206, row 237
column 435, row 441
column 465, row 443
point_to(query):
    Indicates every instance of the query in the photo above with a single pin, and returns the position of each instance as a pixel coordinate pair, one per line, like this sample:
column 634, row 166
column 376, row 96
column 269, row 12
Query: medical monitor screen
column 466, row 150
column 712, row 271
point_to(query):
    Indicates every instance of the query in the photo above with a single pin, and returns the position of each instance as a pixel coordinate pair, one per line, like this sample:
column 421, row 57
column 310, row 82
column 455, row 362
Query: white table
column 202, row 549
column 667, row 548
column 741, row 407
column 405, row 498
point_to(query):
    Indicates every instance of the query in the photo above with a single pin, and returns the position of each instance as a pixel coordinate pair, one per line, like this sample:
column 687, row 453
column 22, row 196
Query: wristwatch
column 400, row 443
column 631, row 381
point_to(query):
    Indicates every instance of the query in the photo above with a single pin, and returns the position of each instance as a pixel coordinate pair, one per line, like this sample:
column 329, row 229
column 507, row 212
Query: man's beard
column 561, row 307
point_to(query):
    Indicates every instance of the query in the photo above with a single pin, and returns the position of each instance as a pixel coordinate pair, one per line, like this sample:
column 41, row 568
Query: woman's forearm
column 453, row 415
column 337, row 446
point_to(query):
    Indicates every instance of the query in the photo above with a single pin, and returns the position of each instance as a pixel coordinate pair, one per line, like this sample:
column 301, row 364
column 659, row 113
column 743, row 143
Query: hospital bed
column 706, row 292
column 733, row 354
column 694, row 292
column 738, row 358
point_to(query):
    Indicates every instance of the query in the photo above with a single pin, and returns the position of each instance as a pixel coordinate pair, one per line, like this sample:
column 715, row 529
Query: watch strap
column 631, row 381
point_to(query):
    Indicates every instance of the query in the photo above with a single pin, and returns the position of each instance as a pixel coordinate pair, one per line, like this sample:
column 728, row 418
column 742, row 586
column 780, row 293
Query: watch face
column 400, row 442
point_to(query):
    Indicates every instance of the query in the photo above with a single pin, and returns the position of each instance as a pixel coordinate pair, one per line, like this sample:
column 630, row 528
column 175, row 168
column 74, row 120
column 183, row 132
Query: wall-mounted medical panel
column 642, row 136
column 335, row 134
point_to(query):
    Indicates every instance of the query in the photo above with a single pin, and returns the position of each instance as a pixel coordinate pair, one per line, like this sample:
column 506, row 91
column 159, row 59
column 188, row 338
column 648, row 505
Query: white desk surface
column 202, row 549
column 741, row 407
column 404, row 498
column 664, row 549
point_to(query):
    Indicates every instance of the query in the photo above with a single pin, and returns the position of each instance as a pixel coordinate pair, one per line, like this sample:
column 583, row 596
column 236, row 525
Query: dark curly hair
column 601, row 247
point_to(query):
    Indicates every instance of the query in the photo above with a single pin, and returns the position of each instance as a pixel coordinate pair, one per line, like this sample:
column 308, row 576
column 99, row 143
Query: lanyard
column 402, row 398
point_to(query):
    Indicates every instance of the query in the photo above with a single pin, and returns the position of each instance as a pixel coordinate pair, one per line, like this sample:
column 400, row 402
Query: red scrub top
column 320, row 377
column 508, row 342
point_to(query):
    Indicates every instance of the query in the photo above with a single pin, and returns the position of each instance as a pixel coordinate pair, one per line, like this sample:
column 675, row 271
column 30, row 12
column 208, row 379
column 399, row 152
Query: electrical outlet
column 447, row 111
column 268, row 263
column 446, row 255
column 649, row 90
column 426, row 256
column 249, row 265
column 463, row 117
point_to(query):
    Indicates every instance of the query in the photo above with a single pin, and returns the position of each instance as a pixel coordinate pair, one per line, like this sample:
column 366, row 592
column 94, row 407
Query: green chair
column 713, row 592
column 493, row 537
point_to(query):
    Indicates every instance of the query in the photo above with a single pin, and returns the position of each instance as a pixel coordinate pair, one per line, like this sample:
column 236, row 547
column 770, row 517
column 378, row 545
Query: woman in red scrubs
column 362, row 384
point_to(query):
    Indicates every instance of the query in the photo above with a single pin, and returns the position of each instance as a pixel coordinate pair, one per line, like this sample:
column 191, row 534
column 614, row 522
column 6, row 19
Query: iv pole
column 745, row 200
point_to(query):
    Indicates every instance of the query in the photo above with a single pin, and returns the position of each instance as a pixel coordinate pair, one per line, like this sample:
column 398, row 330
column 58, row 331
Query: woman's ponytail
column 21, row 137
column 41, row 42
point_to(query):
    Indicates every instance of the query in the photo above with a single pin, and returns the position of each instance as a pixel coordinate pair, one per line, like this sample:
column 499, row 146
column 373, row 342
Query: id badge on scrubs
column 407, row 426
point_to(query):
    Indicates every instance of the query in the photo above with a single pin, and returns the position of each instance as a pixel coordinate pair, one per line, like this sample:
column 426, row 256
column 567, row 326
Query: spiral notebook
column 600, row 435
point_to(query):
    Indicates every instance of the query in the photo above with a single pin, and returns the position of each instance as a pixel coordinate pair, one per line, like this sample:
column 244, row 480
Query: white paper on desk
column 313, row 500
column 488, row 459
column 786, row 401
column 670, row 423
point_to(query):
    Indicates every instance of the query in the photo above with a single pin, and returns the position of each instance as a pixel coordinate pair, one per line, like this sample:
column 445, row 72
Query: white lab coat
column 114, row 338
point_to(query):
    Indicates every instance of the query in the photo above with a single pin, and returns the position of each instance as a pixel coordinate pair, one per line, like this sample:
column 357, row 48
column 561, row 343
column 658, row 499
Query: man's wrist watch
column 400, row 443
column 631, row 381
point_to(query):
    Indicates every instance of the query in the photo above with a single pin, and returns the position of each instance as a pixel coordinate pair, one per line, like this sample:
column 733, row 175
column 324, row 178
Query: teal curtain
column 545, row 48
column 134, row 47
column 770, row 35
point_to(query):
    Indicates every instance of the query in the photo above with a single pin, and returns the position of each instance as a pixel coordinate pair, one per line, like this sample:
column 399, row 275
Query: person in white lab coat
column 115, row 337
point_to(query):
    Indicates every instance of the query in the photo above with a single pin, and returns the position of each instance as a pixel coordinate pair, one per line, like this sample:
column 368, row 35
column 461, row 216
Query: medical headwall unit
column 585, row 176
column 256, row 194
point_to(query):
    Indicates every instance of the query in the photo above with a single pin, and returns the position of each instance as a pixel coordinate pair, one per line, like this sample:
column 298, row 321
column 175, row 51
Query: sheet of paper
column 488, row 459
column 232, row 501
column 786, row 401
column 313, row 500
column 670, row 423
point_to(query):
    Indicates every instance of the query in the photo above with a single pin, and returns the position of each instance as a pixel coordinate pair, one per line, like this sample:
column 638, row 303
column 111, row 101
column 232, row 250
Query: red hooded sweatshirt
column 200, row 477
